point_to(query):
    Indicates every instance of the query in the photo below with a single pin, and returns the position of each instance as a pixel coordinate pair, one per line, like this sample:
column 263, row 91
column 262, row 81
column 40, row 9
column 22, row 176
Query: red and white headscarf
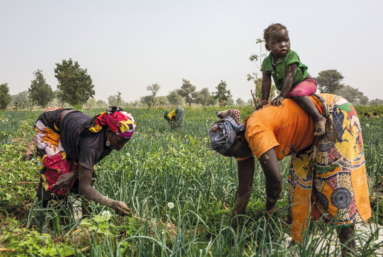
column 119, row 122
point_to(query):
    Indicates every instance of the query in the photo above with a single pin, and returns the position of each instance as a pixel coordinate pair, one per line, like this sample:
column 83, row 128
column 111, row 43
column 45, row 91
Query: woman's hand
column 87, row 190
column 121, row 208
column 261, row 104
column 65, row 180
column 277, row 100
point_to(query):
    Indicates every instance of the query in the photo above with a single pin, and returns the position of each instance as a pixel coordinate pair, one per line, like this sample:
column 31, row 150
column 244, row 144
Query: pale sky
column 128, row 45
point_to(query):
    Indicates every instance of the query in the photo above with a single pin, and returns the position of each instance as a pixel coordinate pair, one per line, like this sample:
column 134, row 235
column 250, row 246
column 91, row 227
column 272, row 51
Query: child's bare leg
column 308, row 106
column 346, row 237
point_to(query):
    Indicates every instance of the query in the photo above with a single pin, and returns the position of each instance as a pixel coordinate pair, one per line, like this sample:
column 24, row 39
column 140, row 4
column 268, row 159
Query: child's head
column 277, row 39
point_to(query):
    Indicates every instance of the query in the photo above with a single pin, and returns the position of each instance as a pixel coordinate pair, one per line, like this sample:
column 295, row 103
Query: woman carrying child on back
column 290, row 75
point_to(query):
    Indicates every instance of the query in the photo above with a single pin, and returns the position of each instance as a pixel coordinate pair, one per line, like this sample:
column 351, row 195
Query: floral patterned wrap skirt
column 329, row 180
column 51, row 156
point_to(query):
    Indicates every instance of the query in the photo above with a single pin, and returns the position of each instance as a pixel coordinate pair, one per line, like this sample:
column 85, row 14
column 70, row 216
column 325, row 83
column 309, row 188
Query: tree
column 363, row 100
column 58, row 94
column 40, row 92
column 173, row 97
column 147, row 100
column 112, row 100
column 222, row 95
column 188, row 91
column 132, row 104
column 254, row 57
column 24, row 100
column 5, row 97
column 118, row 98
column 204, row 97
column 329, row 81
column 257, row 95
column 240, row 102
column 212, row 101
column 353, row 95
column 162, row 100
column 230, row 102
column 74, row 82
column 376, row 102
column 154, row 88
column 21, row 98
column 91, row 102
column 101, row 103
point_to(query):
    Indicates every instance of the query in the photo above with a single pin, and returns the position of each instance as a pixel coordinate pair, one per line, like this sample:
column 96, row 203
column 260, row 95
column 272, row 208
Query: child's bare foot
column 320, row 127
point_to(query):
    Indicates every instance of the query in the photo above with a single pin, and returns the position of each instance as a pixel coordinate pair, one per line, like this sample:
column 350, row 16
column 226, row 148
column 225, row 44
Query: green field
column 157, row 167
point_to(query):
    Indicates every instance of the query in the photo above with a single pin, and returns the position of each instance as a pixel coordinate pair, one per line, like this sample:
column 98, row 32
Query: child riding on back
column 289, row 74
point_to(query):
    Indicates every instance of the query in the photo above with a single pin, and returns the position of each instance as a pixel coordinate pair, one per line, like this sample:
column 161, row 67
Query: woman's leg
column 346, row 237
column 308, row 106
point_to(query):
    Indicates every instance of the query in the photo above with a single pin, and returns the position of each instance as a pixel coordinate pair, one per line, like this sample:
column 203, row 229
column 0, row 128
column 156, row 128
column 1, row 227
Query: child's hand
column 261, row 104
column 277, row 100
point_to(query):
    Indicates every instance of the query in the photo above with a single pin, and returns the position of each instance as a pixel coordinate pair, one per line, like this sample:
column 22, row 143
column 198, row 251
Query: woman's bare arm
column 65, row 180
column 86, row 189
column 273, row 174
column 242, row 196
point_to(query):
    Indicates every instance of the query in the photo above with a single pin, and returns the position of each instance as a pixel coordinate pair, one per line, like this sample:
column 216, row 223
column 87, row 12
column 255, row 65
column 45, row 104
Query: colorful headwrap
column 223, row 132
column 119, row 122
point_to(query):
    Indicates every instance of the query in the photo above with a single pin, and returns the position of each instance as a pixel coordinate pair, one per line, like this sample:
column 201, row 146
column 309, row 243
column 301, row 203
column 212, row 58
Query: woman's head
column 240, row 147
column 277, row 39
column 166, row 116
column 227, row 135
column 118, row 125
column 114, row 141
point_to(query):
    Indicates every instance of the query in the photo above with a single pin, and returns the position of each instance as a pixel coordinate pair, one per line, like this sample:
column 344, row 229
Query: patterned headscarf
column 119, row 122
column 223, row 132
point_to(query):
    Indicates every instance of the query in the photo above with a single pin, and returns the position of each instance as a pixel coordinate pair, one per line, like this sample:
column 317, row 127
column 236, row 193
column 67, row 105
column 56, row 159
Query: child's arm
column 266, row 85
column 291, row 70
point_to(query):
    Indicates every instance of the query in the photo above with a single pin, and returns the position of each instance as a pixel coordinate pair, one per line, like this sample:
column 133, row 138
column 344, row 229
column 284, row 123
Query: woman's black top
column 86, row 151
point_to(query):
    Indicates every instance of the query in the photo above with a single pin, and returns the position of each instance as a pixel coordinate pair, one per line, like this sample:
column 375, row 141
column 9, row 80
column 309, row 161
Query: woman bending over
column 69, row 143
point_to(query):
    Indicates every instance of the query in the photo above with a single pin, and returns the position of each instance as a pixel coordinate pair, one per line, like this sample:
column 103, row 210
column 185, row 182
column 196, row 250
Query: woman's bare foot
column 320, row 127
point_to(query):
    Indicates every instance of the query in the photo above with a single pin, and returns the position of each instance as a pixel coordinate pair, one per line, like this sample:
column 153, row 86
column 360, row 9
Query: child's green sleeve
column 292, row 58
column 265, row 67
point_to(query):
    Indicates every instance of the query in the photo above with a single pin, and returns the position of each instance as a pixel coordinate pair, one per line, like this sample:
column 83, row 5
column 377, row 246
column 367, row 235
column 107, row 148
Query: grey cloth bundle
column 223, row 133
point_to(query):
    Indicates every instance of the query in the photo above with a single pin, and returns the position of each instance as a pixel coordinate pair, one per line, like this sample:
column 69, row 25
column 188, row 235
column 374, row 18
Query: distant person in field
column 175, row 118
column 327, row 174
column 69, row 143
column 290, row 75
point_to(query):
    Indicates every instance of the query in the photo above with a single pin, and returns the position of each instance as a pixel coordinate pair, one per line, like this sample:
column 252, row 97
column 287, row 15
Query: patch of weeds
column 18, row 178
column 22, row 242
